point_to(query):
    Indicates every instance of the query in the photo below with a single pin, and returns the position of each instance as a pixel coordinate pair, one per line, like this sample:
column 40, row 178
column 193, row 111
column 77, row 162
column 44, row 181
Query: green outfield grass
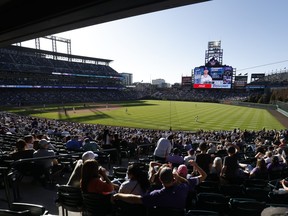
column 163, row 115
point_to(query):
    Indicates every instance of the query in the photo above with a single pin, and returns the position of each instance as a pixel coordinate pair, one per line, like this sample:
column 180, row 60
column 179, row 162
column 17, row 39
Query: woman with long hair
column 94, row 178
column 137, row 182
column 260, row 171
column 215, row 169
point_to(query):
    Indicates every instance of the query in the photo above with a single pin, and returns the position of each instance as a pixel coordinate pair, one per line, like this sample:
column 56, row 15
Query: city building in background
column 160, row 83
column 127, row 79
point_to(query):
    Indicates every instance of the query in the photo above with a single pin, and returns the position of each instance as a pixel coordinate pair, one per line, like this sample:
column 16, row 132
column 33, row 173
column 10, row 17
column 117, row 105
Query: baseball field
column 162, row 115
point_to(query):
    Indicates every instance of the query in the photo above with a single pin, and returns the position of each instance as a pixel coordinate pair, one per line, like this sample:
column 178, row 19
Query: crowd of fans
column 179, row 160
column 20, row 97
column 28, row 68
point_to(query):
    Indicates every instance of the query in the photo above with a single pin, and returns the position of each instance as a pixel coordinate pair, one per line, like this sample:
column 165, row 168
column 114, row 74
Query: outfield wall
column 254, row 105
column 279, row 106
column 282, row 107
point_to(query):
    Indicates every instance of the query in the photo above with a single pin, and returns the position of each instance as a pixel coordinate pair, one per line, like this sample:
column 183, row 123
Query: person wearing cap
column 46, row 165
column 29, row 139
column 173, row 194
column 43, row 151
column 74, row 179
column 205, row 77
column 182, row 170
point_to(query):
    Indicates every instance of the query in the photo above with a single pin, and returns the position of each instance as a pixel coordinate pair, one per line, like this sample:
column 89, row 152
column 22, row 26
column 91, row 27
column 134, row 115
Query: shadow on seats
column 246, row 207
column 212, row 202
column 97, row 204
column 35, row 209
column 232, row 190
column 208, row 186
column 201, row 213
column 277, row 197
column 259, row 194
column 165, row 211
column 119, row 173
column 7, row 212
column 259, row 183
column 69, row 198
column 126, row 209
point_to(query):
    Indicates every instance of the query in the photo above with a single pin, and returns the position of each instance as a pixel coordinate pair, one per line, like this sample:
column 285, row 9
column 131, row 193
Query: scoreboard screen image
column 213, row 77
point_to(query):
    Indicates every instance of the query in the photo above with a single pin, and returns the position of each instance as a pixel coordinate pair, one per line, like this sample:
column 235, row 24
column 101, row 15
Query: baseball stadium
column 75, row 139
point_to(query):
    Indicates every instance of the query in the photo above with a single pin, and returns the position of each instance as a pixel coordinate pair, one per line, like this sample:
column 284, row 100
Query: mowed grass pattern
column 162, row 115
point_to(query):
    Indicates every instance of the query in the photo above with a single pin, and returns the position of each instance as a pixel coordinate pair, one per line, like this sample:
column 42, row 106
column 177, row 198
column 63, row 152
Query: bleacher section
column 31, row 76
column 30, row 68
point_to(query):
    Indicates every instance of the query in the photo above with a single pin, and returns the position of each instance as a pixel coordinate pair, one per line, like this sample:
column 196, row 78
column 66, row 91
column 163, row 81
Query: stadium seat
column 201, row 213
column 69, row 198
column 208, row 186
column 8, row 212
column 35, row 210
column 232, row 190
column 212, row 202
column 96, row 204
column 165, row 211
column 247, row 207
column 126, row 209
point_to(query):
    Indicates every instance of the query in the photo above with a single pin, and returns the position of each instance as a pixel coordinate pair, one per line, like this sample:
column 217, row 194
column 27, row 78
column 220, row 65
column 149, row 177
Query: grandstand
column 33, row 76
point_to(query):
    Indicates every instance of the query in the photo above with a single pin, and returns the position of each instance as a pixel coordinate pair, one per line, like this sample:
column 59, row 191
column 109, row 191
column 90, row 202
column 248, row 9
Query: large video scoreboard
column 213, row 77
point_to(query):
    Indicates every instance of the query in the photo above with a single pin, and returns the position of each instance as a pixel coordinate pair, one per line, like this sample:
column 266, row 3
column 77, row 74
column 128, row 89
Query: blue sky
column 168, row 44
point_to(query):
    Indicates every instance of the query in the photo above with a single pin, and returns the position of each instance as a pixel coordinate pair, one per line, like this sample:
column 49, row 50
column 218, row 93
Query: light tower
column 54, row 40
column 214, row 51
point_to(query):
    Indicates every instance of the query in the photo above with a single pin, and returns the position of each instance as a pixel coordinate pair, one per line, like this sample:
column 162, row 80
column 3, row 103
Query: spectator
column 212, row 149
column 173, row 194
column 283, row 143
column 260, row 171
column 191, row 156
column 182, row 170
column 276, row 164
column 74, row 144
column 284, row 184
column 29, row 139
column 268, row 157
column 94, row 178
column 231, row 171
column 175, row 158
column 75, row 177
column 49, row 166
column 137, row 182
column 163, row 149
column 90, row 145
column 216, row 169
column 280, row 153
column 22, row 151
column 203, row 159
column 154, row 172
